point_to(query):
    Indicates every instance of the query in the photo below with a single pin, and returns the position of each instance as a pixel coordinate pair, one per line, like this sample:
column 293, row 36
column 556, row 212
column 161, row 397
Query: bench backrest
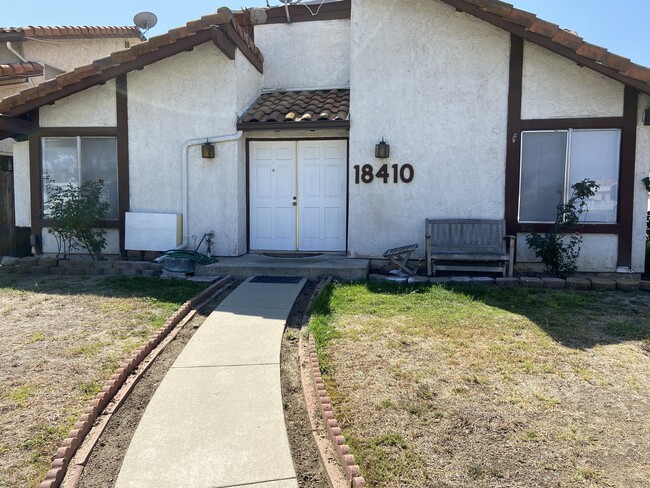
column 470, row 235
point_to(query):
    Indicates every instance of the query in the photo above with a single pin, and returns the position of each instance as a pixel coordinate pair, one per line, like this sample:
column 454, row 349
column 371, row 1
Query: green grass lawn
column 62, row 338
column 488, row 386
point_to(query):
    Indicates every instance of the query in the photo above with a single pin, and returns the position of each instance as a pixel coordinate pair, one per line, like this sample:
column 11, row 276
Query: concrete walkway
column 217, row 420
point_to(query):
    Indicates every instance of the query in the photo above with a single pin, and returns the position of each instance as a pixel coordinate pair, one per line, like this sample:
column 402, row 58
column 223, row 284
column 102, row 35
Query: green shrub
column 560, row 248
column 76, row 212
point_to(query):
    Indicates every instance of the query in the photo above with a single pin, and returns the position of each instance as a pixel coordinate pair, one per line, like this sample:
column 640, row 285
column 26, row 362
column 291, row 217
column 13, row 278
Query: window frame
column 79, row 170
column 36, row 156
column 595, row 226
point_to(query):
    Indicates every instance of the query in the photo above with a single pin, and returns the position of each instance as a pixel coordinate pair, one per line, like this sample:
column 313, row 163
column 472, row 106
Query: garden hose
column 194, row 257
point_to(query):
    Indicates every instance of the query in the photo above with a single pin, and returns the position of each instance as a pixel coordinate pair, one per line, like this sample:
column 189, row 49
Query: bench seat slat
column 468, row 240
column 459, row 267
column 470, row 256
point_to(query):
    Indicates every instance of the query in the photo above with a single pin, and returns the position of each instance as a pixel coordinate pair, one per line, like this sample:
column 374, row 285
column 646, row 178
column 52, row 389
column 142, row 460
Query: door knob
column 295, row 204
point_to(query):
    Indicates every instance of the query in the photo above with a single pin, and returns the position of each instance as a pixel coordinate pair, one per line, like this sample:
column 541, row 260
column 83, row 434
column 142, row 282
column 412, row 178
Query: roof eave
column 521, row 24
column 219, row 28
column 316, row 124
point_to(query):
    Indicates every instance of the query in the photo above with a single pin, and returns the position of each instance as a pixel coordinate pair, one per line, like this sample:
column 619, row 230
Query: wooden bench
column 468, row 245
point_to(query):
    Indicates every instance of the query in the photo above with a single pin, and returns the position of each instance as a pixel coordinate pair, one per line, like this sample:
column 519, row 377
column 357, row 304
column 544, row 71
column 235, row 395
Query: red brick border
column 343, row 452
column 69, row 446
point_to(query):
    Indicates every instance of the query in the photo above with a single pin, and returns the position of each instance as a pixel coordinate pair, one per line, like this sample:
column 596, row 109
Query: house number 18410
column 400, row 172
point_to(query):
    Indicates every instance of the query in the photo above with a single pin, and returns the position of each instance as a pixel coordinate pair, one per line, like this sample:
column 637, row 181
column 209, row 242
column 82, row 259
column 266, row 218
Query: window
column 75, row 160
column 552, row 161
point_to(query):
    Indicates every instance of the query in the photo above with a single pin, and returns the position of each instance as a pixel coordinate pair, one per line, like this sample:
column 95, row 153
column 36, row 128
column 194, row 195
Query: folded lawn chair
column 399, row 256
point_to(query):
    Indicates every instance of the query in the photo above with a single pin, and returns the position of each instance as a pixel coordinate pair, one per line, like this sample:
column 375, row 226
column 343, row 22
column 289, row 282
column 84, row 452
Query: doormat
column 285, row 280
column 292, row 255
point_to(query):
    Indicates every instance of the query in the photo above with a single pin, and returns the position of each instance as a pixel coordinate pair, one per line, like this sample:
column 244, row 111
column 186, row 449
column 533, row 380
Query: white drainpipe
column 184, row 171
column 20, row 56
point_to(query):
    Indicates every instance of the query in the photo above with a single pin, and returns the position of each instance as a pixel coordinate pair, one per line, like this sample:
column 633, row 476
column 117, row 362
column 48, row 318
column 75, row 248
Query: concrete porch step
column 311, row 267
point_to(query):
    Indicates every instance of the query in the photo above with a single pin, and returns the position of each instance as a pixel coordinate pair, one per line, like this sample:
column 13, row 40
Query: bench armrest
column 511, row 252
column 428, row 254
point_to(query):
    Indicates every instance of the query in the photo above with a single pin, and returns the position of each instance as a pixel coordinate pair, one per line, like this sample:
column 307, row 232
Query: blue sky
column 618, row 25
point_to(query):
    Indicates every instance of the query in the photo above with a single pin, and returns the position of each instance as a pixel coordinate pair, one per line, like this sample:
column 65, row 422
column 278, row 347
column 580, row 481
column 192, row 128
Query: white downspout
column 20, row 56
column 184, row 170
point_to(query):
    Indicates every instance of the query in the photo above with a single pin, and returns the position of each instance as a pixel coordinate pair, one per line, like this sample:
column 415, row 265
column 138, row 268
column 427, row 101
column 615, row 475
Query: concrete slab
column 217, row 418
column 215, row 343
column 263, row 295
column 210, row 427
column 292, row 483
column 313, row 267
column 250, row 311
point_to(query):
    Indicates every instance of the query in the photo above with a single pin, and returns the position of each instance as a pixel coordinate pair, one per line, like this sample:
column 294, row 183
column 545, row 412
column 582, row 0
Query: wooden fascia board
column 578, row 123
column 223, row 42
column 185, row 44
column 16, row 126
column 545, row 42
column 299, row 13
column 244, row 48
column 12, row 37
column 583, row 229
column 327, row 124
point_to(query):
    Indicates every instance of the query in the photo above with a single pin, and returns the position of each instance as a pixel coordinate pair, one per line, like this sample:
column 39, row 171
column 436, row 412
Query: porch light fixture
column 382, row 150
column 207, row 150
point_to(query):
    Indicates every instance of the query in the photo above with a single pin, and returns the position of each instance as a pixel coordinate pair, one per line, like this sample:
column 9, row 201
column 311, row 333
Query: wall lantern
column 382, row 150
column 207, row 150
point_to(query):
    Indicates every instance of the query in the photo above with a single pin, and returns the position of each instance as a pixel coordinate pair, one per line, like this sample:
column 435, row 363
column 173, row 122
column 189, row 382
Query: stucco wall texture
column 67, row 54
column 94, row 107
column 434, row 83
column 199, row 100
column 305, row 54
column 555, row 87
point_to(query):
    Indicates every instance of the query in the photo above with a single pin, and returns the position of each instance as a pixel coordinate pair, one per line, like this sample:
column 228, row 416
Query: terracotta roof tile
column 521, row 17
column 223, row 17
column 638, row 72
column 299, row 106
column 20, row 70
column 123, row 56
column 546, row 29
column 592, row 51
column 561, row 37
column 498, row 8
column 73, row 31
column 567, row 39
column 619, row 63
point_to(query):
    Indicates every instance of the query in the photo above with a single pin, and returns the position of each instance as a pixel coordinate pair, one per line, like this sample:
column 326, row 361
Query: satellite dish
column 145, row 20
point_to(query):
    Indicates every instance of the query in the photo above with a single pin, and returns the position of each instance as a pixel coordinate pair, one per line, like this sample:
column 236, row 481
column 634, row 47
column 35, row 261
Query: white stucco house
column 29, row 56
column 488, row 111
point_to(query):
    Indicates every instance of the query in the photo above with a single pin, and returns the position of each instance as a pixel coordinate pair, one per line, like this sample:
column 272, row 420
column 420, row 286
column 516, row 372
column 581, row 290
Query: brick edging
column 343, row 452
column 69, row 446
column 574, row 283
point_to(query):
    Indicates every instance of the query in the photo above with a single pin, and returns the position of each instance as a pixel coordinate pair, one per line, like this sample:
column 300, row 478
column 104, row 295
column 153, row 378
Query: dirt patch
column 303, row 449
column 62, row 337
column 106, row 459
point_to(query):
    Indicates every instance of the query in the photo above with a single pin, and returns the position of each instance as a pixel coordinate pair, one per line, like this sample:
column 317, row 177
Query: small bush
column 560, row 248
column 76, row 212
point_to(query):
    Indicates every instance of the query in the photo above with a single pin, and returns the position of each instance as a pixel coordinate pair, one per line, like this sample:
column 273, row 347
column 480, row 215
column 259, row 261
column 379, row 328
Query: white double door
column 298, row 195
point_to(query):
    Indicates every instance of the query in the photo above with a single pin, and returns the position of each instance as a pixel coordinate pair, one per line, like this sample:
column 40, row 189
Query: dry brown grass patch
column 488, row 387
column 61, row 339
